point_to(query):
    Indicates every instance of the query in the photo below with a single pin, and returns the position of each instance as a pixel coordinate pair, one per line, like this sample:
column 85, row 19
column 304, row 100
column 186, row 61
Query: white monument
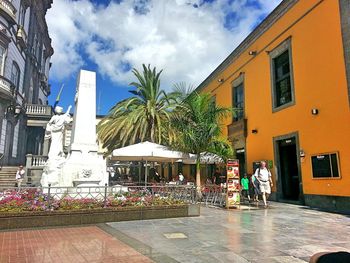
column 52, row 173
column 83, row 165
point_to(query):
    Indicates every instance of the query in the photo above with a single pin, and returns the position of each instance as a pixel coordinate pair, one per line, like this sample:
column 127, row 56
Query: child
column 245, row 187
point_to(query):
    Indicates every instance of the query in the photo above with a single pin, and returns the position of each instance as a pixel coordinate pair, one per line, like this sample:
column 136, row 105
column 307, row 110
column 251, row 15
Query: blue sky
column 186, row 38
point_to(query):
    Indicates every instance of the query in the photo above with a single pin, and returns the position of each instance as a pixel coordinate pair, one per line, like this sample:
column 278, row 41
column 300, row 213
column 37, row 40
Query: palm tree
column 142, row 117
column 198, row 124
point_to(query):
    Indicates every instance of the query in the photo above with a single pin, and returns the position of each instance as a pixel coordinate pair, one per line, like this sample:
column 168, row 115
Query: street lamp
column 14, row 109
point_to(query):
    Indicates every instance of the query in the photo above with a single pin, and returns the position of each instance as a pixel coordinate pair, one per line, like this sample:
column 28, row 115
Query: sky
column 188, row 39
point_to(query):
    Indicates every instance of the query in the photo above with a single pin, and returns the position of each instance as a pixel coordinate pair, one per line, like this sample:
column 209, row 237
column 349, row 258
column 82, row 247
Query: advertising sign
column 233, row 184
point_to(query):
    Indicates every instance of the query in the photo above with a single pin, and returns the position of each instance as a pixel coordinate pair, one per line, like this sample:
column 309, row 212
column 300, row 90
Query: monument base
column 87, row 169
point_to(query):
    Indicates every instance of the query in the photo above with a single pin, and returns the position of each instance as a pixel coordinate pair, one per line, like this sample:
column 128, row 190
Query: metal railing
column 214, row 195
column 56, row 198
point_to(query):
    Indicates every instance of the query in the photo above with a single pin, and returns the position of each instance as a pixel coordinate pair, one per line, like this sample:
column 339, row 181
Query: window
column 325, row 166
column 238, row 102
column 3, row 136
column 15, row 141
column 282, row 76
column 283, row 88
column 2, row 58
column 22, row 16
column 15, row 74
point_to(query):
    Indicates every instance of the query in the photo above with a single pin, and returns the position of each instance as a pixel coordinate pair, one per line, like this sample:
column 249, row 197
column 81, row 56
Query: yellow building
column 291, row 79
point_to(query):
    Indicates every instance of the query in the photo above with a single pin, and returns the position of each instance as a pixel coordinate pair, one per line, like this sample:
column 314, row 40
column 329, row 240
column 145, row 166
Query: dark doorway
column 289, row 175
column 240, row 155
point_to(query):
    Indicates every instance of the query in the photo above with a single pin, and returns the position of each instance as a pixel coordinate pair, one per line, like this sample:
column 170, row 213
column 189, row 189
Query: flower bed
column 35, row 200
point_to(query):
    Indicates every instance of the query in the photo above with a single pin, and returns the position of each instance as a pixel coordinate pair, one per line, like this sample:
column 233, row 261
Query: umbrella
column 147, row 151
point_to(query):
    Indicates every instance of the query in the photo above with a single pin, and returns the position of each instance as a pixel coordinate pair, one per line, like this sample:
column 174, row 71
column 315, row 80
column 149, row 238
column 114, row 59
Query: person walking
column 263, row 175
column 256, row 188
column 245, row 187
column 20, row 176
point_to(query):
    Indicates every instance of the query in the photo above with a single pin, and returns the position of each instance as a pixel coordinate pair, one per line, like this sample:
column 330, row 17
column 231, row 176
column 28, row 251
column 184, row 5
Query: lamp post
column 14, row 109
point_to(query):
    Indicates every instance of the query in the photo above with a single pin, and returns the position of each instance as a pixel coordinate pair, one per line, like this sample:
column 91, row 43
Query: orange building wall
column 319, row 82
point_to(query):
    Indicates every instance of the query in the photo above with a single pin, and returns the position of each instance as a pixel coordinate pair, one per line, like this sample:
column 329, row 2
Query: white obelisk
column 84, row 166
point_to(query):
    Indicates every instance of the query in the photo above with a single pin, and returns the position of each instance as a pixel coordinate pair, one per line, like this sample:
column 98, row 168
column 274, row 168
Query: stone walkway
column 73, row 245
column 282, row 233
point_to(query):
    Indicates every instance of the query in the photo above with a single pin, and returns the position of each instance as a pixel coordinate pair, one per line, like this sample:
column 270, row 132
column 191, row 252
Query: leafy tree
column 198, row 123
column 143, row 117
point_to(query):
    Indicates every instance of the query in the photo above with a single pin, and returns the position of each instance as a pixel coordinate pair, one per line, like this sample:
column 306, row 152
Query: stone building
column 25, row 52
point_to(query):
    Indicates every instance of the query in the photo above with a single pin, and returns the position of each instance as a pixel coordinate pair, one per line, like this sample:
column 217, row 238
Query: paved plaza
column 282, row 233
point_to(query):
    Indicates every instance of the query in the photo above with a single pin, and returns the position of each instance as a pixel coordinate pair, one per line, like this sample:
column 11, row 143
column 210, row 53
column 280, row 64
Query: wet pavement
column 282, row 233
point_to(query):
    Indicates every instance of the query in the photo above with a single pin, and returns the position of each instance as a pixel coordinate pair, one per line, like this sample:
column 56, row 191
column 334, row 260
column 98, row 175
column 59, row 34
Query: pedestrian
column 245, row 187
column 216, row 177
column 20, row 176
column 263, row 175
column 256, row 188
column 181, row 179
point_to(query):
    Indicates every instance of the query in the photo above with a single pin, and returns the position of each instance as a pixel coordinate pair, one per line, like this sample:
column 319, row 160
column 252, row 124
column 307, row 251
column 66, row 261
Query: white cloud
column 187, row 42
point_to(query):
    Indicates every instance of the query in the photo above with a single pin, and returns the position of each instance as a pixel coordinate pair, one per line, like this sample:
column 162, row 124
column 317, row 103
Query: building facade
column 25, row 51
column 290, row 80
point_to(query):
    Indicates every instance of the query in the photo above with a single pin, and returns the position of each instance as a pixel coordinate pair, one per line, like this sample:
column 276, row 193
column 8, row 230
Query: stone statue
column 52, row 172
column 54, row 131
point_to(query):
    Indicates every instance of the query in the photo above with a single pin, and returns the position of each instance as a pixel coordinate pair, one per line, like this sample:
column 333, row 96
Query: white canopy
column 205, row 158
column 147, row 151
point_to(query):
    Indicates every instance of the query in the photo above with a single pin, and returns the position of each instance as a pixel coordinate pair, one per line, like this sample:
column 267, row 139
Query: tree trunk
column 198, row 177
column 152, row 131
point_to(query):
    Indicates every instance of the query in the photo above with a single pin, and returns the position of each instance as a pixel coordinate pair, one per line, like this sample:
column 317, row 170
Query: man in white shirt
column 263, row 175
column 20, row 175
column 181, row 178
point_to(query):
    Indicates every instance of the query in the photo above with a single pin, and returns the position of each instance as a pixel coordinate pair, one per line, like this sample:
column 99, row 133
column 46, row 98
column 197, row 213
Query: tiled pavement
column 73, row 245
column 283, row 233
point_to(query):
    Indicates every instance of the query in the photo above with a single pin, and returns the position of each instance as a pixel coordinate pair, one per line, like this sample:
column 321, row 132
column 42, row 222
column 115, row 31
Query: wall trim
column 344, row 8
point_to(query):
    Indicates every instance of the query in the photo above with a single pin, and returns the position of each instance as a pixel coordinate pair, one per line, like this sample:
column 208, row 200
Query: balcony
column 8, row 11
column 237, row 128
column 38, row 115
column 21, row 37
column 6, row 88
column 36, row 161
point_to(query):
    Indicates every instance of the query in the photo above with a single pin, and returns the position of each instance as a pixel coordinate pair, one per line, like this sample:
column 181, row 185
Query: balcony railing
column 6, row 87
column 238, row 127
column 36, row 161
column 36, row 110
column 8, row 10
column 22, row 37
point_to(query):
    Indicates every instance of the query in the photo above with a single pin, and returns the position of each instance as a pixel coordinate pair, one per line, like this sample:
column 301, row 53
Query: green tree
column 198, row 124
column 143, row 117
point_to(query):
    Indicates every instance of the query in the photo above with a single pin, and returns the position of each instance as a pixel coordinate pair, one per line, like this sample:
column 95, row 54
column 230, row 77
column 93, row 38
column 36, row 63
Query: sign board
column 233, row 184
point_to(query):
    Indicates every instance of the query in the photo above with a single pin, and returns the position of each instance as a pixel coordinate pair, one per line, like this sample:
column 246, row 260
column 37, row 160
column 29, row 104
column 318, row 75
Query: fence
column 51, row 198
column 214, row 195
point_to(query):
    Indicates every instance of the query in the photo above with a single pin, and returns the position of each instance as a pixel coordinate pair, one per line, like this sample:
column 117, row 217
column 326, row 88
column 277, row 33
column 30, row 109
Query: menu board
column 233, row 184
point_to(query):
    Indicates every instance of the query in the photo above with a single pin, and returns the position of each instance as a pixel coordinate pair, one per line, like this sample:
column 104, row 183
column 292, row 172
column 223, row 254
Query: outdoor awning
column 147, row 151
